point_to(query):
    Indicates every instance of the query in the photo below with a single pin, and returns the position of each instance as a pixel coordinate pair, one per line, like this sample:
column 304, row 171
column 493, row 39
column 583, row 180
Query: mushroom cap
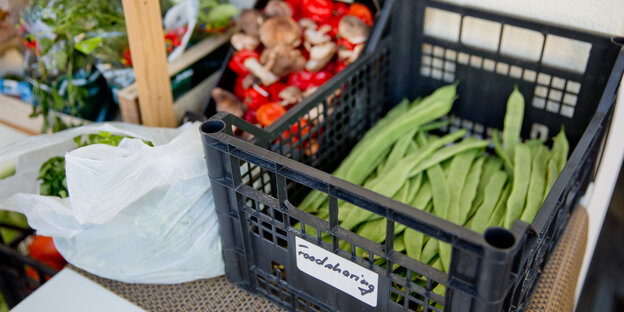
column 250, row 21
column 353, row 29
column 278, row 8
column 280, row 30
column 320, row 55
column 283, row 60
column 241, row 41
column 226, row 102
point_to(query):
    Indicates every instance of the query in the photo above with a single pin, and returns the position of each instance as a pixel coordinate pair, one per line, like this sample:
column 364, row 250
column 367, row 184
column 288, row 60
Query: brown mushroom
column 250, row 22
column 280, row 30
column 353, row 29
column 249, row 81
column 276, row 8
column 306, row 23
column 314, row 36
column 241, row 41
column 283, row 60
column 226, row 102
column 349, row 56
column 290, row 95
column 266, row 76
column 320, row 55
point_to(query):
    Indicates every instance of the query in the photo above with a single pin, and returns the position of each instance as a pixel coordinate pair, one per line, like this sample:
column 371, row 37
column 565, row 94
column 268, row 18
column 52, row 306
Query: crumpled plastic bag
column 135, row 213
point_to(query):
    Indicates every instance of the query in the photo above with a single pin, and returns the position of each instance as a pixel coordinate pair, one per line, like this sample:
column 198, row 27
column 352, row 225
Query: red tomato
column 250, row 116
column 269, row 113
column 275, row 89
column 317, row 10
column 255, row 96
column 300, row 79
column 340, row 9
column 42, row 249
column 237, row 63
column 362, row 12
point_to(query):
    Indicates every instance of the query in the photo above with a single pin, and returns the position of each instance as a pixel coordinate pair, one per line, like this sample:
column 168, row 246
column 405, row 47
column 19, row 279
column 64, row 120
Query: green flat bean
column 439, row 191
column 557, row 161
column 563, row 146
column 491, row 166
column 413, row 242
column 414, row 186
column 430, row 251
column 403, row 194
column 493, row 191
column 423, row 197
column 393, row 179
column 499, row 151
column 399, row 243
column 537, row 184
column 421, row 138
column 469, row 191
column 448, row 152
column 435, row 125
column 376, row 230
column 498, row 216
column 515, row 203
column 433, row 107
column 456, row 180
column 513, row 122
column 398, row 150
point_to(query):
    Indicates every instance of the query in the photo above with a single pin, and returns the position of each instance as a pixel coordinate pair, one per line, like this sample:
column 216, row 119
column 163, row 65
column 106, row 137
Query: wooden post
column 149, row 60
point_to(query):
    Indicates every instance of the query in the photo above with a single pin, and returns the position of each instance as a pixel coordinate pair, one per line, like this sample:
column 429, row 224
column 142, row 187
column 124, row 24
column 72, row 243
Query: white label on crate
column 337, row 271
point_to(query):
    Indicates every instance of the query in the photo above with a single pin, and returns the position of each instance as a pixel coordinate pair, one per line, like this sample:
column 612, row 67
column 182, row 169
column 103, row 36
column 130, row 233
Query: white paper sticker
column 337, row 271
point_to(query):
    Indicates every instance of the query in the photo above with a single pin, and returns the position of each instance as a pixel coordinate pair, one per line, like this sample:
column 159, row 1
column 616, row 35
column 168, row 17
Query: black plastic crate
column 257, row 185
column 15, row 283
column 381, row 10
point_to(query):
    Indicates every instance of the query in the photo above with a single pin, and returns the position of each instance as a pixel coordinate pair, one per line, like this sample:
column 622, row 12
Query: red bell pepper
column 334, row 21
column 344, row 44
column 362, row 12
column 43, row 250
column 269, row 113
column 239, row 90
column 317, row 10
column 340, row 9
column 340, row 65
column 300, row 79
column 250, row 116
column 237, row 63
column 322, row 76
column 275, row 89
column 255, row 96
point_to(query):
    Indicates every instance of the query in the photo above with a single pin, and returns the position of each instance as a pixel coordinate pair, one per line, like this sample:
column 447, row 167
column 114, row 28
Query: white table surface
column 69, row 291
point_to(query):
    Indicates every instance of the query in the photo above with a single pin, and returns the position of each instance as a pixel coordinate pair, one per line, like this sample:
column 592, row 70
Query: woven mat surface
column 556, row 287
column 554, row 291
column 215, row 294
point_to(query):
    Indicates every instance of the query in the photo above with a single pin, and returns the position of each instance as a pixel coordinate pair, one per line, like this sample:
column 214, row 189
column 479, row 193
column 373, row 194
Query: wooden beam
column 149, row 61
column 129, row 96
column 16, row 114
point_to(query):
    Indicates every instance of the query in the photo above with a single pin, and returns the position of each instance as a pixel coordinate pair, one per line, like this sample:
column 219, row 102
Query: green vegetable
column 515, row 203
column 513, row 122
column 537, row 184
column 493, row 191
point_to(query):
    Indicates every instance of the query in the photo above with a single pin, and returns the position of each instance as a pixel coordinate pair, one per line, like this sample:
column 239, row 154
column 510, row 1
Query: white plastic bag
column 135, row 213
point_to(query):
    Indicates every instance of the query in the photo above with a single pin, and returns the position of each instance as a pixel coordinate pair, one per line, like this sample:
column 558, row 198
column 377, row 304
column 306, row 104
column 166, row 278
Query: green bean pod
column 513, row 122
column 469, row 191
column 493, row 192
column 515, row 203
column 537, row 184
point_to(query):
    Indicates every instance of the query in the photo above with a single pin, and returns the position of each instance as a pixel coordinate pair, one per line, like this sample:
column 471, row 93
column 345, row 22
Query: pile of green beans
column 454, row 176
